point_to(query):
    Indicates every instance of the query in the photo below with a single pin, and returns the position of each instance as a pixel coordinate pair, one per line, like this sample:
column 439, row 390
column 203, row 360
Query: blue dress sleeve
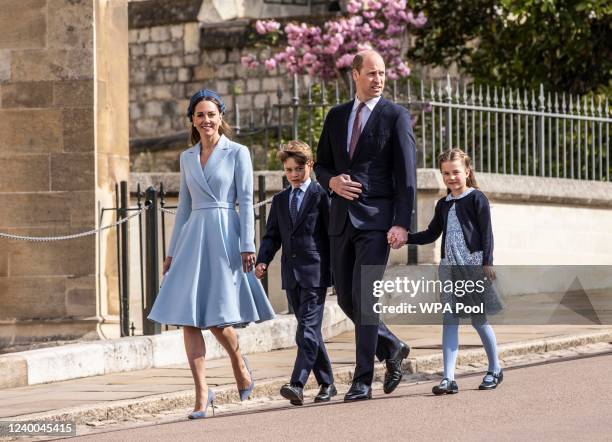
column 243, row 177
column 183, row 211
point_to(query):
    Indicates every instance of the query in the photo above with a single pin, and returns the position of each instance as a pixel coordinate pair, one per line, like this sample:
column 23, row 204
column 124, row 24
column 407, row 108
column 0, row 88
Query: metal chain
column 255, row 206
column 76, row 235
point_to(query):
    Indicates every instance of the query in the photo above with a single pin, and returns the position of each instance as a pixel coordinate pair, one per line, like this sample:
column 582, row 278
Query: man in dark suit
column 298, row 222
column 366, row 158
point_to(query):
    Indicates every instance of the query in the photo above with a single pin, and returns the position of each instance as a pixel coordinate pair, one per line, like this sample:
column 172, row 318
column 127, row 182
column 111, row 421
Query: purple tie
column 356, row 131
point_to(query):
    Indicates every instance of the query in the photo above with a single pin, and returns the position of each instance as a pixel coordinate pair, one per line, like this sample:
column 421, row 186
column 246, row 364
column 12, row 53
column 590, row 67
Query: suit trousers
column 308, row 305
column 351, row 250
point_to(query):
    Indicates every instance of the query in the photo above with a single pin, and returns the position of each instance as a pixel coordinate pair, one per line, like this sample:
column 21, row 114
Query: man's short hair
column 357, row 62
column 296, row 149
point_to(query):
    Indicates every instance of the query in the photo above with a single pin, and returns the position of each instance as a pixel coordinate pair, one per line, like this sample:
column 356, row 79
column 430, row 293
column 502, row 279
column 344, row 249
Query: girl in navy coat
column 463, row 218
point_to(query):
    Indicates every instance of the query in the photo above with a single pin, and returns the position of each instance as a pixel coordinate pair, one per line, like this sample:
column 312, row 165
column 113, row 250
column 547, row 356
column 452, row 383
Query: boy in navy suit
column 298, row 222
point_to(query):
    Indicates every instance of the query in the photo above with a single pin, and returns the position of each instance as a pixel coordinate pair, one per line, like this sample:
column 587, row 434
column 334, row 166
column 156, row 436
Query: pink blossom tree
column 326, row 52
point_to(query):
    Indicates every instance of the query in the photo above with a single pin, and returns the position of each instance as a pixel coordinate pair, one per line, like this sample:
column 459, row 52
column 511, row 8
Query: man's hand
column 397, row 236
column 260, row 270
column 344, row 187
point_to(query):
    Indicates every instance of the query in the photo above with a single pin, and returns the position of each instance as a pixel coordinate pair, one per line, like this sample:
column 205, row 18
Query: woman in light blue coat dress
column 208, row 280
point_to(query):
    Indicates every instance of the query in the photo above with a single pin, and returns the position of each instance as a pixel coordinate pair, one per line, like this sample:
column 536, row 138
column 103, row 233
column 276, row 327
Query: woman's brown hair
column 224, row 128
column 458, row 154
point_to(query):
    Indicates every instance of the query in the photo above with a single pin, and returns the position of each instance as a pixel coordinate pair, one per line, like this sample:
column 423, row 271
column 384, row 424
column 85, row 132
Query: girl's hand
column 166, row 265
column 490, row 272
column 260, row 270
column 248, row 261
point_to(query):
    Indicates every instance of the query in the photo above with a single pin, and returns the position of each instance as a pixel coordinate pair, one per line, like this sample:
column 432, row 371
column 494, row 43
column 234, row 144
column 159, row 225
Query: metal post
column 262, row 219
column 542, row 134
column 448, row 132
column 152, row 260
column 125, row 266
column 296, row 106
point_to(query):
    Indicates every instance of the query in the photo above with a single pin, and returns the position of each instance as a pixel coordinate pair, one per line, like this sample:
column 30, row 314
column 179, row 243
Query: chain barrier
column 98, row 230
column 255, row 206
column 76, row 235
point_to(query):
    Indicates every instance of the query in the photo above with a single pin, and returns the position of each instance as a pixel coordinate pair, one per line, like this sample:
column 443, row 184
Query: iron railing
column 504, row 130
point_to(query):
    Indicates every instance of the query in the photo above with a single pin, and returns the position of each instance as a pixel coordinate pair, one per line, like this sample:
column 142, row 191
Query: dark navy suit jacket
column 305, row 256
column 384, row 163
column 474, row 215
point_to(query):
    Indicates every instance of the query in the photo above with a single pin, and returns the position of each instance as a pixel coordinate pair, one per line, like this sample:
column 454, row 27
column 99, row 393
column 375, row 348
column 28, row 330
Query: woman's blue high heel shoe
column 209, row 401
column 244, row 394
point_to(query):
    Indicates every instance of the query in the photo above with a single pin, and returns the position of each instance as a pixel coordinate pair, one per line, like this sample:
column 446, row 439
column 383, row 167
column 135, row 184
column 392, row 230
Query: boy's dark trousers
column 305, row 272
column 308, row 306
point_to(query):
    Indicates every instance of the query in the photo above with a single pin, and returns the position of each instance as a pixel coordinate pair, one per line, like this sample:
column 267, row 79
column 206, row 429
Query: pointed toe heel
column 246, row 392
column 202, row 414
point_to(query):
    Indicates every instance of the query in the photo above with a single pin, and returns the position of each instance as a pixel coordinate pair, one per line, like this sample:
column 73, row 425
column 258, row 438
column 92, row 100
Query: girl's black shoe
column 491, row 380
column 446, row 387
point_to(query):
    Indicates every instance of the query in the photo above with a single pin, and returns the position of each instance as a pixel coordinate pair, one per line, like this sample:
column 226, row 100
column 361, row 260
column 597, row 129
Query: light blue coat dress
column 206, row 285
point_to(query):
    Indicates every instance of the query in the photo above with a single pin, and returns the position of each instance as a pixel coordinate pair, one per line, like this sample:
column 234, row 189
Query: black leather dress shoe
column 326, row 392
column 393, row 375
column 491, row 380
column 358, row 392
column 294, row 393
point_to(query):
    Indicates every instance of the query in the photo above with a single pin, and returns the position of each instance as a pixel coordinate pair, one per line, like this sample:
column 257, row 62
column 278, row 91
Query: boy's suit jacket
column 305, row 256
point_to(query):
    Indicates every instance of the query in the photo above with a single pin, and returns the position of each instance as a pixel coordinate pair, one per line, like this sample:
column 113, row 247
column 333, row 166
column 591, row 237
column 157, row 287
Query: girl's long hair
column 224, row 128
column 457, row 154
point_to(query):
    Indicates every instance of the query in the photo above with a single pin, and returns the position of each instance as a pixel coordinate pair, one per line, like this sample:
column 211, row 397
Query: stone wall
column 62, row 143
column 168, row 64
column 171, row 57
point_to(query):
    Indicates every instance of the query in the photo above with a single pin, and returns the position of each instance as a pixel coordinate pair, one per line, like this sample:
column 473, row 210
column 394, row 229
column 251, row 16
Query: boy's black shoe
column 326, row 392
column 446, row 387
column 294, row 393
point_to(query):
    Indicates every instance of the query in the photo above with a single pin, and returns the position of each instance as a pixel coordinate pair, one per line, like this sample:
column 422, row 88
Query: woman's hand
column 166, row 266
column 248, row 261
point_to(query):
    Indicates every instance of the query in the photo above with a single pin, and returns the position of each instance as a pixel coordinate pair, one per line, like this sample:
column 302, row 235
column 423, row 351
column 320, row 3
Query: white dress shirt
column 363, row 117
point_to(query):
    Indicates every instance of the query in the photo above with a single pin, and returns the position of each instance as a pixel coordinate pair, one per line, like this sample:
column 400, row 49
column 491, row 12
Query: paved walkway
column 124, row 388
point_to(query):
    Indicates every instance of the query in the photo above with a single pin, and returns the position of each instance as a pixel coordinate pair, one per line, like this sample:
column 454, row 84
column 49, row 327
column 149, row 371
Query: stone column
column 63, row 144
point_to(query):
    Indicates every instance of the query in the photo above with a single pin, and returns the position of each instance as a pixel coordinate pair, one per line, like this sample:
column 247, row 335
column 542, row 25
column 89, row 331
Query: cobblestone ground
column 266, row 403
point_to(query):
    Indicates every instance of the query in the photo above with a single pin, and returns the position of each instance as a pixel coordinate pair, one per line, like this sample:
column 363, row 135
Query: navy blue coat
column 384, row 163
column 474, row 215
column 305, row 255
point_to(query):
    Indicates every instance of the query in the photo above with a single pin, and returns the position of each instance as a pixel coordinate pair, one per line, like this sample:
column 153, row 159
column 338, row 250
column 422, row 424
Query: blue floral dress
column 461, row 264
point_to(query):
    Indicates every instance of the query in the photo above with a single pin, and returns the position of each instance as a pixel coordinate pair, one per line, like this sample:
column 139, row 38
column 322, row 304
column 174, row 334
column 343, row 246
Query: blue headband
column 199, row 96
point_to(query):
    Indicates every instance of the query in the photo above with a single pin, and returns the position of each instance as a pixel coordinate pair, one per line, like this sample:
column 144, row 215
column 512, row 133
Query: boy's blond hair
column 296, row 149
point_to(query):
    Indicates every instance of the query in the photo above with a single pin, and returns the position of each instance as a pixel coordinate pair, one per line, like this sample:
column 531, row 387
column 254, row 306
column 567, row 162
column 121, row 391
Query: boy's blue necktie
column 293, row 207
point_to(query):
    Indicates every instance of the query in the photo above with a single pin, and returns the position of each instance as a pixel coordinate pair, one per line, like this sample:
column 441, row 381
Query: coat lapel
column 217, row 156
column 346, row 115
column 372, row 121
column 195, row 170
column 285, row 218
column 307, row 202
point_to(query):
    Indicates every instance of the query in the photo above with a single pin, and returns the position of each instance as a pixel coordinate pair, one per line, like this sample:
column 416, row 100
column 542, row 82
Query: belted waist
column 212, row 205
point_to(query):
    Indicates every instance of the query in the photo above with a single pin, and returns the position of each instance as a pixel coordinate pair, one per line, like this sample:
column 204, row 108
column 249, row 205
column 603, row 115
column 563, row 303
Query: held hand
column 397, row 237
column 345, row 187
column 248, row 261
column 260, row 270
column 490, row 272
column 166, row 265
